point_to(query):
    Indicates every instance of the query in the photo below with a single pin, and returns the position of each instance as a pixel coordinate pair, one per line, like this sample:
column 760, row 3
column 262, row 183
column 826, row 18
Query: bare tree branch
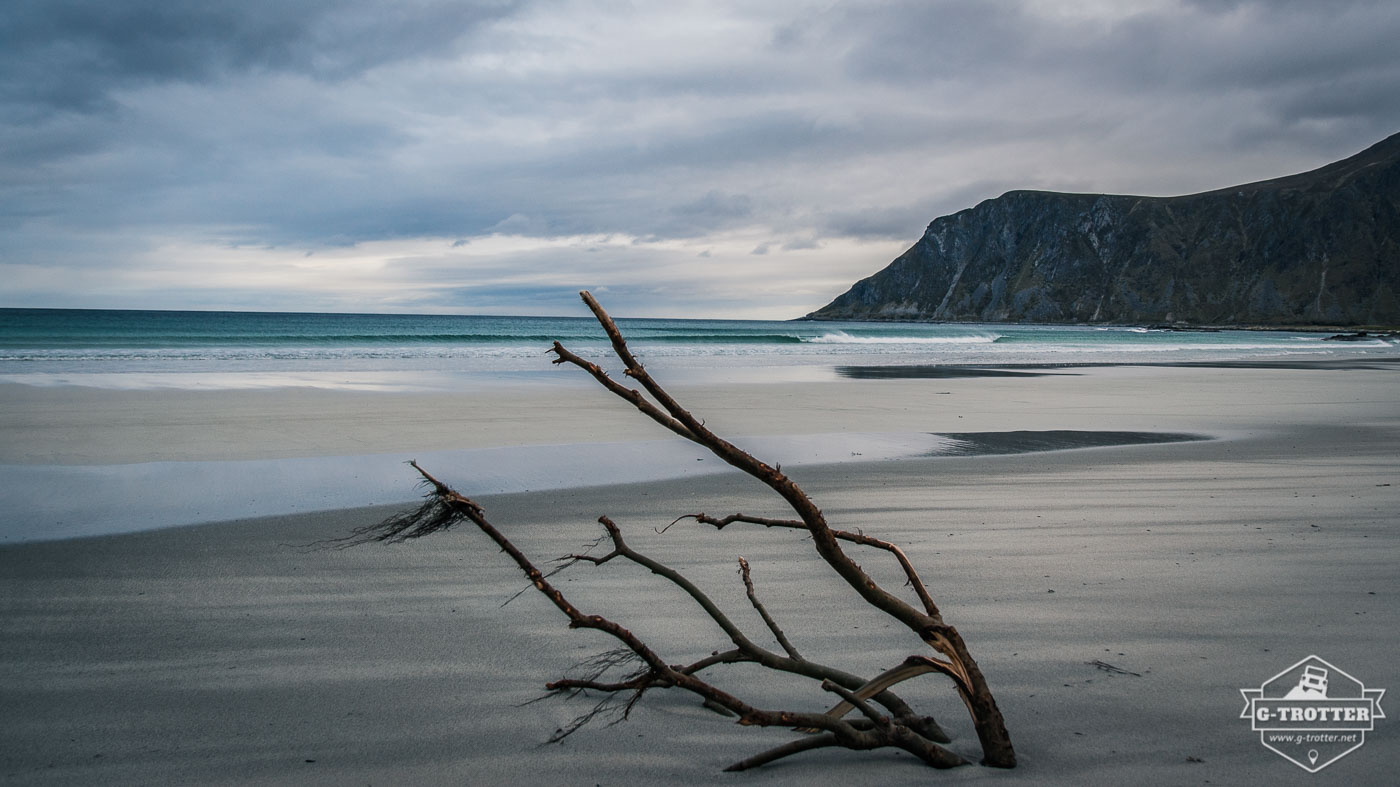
column 811, row 516
column 918, row 735
column 786, row 750
column 630, row 394
column 767, row 619
column 856, row 538
column 752, row 652
column 663, row 673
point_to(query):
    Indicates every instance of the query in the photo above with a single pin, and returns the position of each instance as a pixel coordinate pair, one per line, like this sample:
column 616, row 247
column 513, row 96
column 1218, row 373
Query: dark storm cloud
column 236, row 147
column 1304, row 60
column 917, row 41
column 68, row 54
column 1197, row 44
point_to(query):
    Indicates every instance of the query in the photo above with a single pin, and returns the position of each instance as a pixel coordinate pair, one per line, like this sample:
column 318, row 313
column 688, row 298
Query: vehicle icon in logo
column 1312, row 686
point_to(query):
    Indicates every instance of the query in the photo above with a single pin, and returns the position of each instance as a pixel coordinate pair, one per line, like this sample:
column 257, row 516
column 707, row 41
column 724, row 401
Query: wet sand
column 224, row 653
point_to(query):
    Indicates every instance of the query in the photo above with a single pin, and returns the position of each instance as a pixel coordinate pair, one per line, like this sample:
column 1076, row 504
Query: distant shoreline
column 953, row 370
column 1156, row 326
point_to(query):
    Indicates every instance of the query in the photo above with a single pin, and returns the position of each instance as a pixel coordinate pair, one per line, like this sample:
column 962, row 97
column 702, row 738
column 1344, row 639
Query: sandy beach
column 225, row 653
column 1025, row 374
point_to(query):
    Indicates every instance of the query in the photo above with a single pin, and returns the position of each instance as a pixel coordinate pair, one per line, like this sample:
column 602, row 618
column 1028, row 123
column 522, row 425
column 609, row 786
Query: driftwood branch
column 879, row 722
column 856, row 538
column 656, row 672
column 763, row 612
column 786, row 750
column 901, row 728
column 746, row 649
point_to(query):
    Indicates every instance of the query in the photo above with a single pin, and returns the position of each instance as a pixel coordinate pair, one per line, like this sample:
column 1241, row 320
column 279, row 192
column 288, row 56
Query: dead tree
column 898, row 726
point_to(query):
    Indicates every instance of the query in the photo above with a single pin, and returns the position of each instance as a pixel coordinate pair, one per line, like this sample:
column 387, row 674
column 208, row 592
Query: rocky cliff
column 1318, row 248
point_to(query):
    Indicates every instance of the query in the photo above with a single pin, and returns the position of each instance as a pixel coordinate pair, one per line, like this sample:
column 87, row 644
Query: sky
column 680, row 159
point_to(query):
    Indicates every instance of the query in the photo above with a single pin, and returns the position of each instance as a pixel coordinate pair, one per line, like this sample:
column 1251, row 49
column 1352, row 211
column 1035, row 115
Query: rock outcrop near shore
column 1319, row 248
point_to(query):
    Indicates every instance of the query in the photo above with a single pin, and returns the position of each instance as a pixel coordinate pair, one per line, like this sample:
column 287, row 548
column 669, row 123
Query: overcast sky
column 707, row 159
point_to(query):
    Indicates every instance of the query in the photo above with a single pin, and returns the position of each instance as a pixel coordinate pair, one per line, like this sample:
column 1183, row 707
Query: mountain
column 1319, row 248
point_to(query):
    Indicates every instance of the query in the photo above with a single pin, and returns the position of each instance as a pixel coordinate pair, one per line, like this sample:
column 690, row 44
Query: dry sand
column 219, row 654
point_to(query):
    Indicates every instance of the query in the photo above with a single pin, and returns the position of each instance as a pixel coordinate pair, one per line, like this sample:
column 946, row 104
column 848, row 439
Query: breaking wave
column 841, row 337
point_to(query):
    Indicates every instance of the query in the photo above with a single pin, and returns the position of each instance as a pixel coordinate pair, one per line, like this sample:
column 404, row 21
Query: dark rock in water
column 1319, row 248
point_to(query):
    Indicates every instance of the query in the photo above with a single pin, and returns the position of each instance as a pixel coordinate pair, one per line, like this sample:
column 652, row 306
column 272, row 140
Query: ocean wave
column 841, row 337
column 295, row 339
column 279, row 341
column 1205, row 349
column 722, row 338
column 834, row 344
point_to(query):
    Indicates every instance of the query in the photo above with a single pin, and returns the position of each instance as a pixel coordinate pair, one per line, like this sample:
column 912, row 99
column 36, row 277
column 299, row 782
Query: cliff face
column 1322, row 247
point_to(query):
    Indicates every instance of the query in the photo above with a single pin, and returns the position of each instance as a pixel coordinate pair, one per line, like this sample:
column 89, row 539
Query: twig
column 767, row 619
column 786, row 750
column 856, row 538
column 858, row 703
column 751, row 651
column 1109, row 668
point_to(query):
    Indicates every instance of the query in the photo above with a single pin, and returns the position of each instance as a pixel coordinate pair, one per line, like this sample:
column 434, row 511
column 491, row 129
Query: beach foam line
column 841, row 337
column 49, row 502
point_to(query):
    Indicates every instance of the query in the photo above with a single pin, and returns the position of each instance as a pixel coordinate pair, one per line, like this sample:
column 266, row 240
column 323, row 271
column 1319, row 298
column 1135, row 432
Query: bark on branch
column 856, row 538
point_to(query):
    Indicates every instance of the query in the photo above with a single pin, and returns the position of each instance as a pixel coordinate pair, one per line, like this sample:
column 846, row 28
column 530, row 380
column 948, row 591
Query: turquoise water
column 175, row 348
column 231, row 350
column 43, row 334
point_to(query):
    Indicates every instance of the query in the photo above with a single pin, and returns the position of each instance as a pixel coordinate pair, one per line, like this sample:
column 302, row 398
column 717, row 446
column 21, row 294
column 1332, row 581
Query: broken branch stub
column 853, row 722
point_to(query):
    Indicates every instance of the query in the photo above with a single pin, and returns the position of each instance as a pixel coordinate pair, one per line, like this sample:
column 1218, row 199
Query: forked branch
column 763, row 611
column 656, row 672
column 868, row 728
column 986, row 716
column 856, row 538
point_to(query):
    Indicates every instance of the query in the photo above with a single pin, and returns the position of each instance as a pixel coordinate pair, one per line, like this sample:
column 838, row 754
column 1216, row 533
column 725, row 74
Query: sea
column 397, row 352
column 192, row 350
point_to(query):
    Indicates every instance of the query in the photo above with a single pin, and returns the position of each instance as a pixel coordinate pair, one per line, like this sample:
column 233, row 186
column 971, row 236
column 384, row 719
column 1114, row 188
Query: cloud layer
column 706, row 159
